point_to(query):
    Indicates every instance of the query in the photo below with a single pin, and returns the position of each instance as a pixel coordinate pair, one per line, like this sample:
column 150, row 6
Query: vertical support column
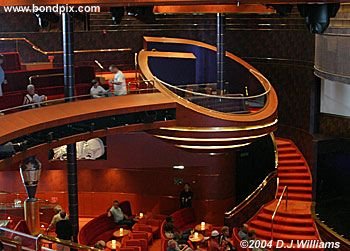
column 68, row 66
column 68, row 56
column 220, row 54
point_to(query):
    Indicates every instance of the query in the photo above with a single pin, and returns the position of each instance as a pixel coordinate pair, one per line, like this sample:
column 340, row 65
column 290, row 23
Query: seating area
column 140, row 237
column 47, row 82
column 183, row 219
column 50, row 81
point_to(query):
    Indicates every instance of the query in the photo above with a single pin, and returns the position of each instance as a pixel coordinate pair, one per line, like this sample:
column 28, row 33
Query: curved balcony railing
column 12, row 239
column 249, row 98
column 205, row 95
column 134, row 87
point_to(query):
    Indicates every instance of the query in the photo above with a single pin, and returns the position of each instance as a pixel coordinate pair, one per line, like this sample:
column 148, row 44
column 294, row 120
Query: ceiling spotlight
column 179, row 167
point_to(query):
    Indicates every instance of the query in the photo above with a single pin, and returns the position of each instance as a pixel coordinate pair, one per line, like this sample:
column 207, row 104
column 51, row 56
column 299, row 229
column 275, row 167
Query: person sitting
column 224, row 239
column 213, row 244
column 118, row 216
column 169, row 228
column 119, row 83
column 171, row 232
column 174, row 246
column 32, row 98
column 251, row 236
column 100, row 245
column 96, row 90
column 56, row 218
column 243, row 232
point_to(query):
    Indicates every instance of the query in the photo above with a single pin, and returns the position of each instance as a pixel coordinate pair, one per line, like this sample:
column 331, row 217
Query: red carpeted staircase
column 293, row 222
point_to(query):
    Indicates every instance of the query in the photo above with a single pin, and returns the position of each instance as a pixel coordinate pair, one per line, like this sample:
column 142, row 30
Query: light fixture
column 180, row 167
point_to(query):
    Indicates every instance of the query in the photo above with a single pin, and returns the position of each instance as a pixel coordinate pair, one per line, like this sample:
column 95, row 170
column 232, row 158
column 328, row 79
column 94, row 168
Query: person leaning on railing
column 33, row 98
column 97, row 91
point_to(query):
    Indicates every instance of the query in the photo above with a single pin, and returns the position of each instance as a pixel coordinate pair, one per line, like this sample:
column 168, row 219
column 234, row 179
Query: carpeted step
column 289, row 156
column 296, row 189
column 304, row 183
column 286, row 221
column 283, row 144
column 281, row 229
column 295, row 176
column 286, row 150
column 288, row 162
column 292, row 169
column 297, row 196
column 266, row 235
column 282, row 213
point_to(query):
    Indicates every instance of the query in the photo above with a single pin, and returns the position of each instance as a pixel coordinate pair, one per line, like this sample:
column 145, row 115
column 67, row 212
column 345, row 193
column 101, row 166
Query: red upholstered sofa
column 184, row 219
column 101, row 227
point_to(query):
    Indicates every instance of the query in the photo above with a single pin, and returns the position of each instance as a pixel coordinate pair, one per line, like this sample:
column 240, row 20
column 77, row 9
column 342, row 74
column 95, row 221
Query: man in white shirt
column 96, row 90
column 32, row 98
column 2, row 74
column 118, row 81
column 119, row 217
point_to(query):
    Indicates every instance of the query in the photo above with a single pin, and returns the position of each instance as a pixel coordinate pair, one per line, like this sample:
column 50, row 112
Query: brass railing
column 38, row 49
column 38, row 241
column 285, row 190
column 240, row 97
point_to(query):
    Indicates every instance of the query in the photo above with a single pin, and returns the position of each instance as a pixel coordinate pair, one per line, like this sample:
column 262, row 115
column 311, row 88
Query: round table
column 207, row 227
column 196, row 240
column 119, row 236
column 109, row 245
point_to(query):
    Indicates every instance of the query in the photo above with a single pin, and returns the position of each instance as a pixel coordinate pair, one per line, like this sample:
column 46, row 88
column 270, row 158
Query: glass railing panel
column 206, row 95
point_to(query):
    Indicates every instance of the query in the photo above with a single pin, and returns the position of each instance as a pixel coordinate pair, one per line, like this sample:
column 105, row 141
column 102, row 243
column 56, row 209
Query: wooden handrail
column 285, row 190
column 38, row 49
column 251, row 196
column 267, row 113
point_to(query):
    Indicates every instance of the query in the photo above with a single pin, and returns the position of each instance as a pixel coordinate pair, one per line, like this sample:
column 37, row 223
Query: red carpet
column 294, row 222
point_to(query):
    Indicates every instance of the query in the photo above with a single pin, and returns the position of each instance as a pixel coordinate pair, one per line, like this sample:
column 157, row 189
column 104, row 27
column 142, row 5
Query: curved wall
column 139, row 168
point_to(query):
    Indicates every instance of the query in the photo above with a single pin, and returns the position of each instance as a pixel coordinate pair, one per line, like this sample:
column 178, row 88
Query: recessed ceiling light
column 179, row 167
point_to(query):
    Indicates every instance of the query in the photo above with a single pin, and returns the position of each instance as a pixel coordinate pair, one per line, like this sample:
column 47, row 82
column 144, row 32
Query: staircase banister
column 251, row 196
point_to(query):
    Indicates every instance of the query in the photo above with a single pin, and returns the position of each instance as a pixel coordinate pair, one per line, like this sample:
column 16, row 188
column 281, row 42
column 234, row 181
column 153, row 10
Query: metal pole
column 68, row 56
column 220, row 54
column 68, row 66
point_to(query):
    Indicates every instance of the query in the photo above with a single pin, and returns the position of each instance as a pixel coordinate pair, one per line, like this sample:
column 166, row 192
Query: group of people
column 33, row 100
column 63, row 227
column 179, row 239
column 118, row 81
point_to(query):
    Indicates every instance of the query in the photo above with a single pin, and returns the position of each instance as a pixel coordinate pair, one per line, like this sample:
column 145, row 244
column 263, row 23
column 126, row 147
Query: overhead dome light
column 179, row 167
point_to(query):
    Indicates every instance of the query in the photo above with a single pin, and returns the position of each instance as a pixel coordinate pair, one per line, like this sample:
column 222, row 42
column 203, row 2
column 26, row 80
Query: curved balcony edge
column 267, row 114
